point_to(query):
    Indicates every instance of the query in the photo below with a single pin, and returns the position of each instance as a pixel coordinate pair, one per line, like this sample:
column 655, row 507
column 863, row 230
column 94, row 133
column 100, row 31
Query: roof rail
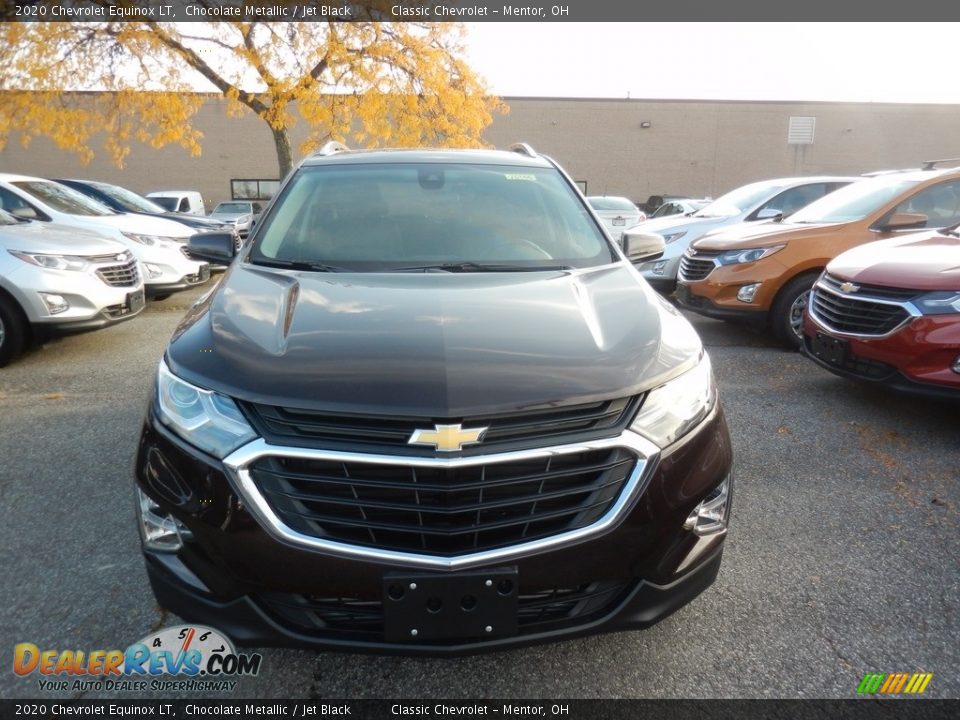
column 331, row 148
column 523, row 149
column 931, row 164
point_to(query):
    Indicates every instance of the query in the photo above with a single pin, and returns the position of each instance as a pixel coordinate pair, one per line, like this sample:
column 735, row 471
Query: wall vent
column 801, row 130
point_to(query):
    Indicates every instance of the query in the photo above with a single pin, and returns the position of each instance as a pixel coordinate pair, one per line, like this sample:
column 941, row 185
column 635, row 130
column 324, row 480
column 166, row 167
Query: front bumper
column 92, row 304
column 198, row 277
column 916, row 359
column 238, row 576
column 689, row 300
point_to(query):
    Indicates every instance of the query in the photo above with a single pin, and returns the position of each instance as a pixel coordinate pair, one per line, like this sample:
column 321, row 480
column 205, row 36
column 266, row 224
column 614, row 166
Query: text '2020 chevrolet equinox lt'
column 431, row 409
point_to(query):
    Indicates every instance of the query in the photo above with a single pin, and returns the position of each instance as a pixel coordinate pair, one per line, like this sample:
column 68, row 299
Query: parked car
column 156, row 242
column 763, row 274
column 187, row 202
column 241, row 213
column 57, row 280
column 686, row 206
column 433, row 394
column 616, row 213
column 888, row 313
column 766, row 200
column 654, row 202
column 122, row 200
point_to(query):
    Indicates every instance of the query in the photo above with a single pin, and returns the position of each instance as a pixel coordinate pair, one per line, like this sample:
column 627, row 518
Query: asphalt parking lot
column 842, row 557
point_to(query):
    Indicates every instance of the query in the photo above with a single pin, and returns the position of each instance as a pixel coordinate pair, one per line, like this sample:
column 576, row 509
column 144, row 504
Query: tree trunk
column 281, row 141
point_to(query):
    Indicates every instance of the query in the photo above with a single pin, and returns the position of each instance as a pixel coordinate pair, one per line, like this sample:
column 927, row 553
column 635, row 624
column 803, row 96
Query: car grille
column 125, row 275
column 698, row 267
column 364, row 619
column 442, row 510
column 307, row 428
column 857, row 315
column 874, row 291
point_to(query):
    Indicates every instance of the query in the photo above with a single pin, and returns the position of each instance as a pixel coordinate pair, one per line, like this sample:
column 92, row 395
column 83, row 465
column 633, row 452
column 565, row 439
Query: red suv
column 889, row 312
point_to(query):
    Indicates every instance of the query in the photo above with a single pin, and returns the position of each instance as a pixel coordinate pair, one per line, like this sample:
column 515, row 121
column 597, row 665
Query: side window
column 789, row 201
column 257, row 208
column 184, row 205
column 940, row 203
column 11, row 202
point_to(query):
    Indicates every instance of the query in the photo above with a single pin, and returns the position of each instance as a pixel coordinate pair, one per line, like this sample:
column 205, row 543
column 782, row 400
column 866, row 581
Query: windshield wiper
column 299, row 265
column 454, row 267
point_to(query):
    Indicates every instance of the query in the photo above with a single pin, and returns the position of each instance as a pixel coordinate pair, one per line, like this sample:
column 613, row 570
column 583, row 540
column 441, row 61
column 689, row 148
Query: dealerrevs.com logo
column 201, row 654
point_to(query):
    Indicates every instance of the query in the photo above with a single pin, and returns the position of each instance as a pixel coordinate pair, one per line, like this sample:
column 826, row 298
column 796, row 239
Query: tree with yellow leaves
column 372, row 83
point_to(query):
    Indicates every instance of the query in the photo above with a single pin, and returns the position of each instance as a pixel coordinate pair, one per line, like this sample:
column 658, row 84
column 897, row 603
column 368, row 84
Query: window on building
column 253, row 189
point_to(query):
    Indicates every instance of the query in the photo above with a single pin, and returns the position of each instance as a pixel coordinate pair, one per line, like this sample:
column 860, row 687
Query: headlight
column 670, row 411
column 942, row 302
column 53, row 262
column 670, row 237
column 210, row 421
column 733, row 257
column 152, row 240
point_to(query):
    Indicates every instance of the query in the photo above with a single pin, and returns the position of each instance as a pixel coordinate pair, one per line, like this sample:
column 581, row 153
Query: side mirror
column 26, row 213
column 905, row 221
column 215, row 247
column 641, row 246
column 770, row 214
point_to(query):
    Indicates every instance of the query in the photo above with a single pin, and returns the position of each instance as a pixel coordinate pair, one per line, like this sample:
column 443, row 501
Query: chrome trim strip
column 238, row 463
column 912, row 312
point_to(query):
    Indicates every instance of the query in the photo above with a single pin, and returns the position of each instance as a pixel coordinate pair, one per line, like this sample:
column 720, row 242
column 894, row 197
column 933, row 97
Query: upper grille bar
column 862, row 313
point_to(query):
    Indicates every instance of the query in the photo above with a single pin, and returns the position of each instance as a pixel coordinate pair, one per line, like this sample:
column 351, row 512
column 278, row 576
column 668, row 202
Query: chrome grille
column 443, row 510
column 125, row 275
column 855, row 315
column 694, row 268
column 879, row 292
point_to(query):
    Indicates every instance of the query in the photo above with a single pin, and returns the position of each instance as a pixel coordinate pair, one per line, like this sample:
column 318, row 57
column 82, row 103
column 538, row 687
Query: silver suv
column 57, row 280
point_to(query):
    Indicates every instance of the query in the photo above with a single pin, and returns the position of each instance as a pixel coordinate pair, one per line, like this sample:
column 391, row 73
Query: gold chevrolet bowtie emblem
column 849, row 287
column 447, row 438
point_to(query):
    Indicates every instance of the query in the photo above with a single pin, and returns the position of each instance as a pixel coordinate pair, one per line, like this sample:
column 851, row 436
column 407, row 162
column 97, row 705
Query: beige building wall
column 690, row 147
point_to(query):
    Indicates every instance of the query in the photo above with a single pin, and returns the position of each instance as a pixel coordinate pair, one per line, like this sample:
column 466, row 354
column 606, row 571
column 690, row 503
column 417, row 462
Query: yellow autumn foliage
column 115, row 83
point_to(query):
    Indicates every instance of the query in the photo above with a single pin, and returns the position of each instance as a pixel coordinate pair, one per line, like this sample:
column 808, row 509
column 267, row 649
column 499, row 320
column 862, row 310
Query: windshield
column 740, row 200
column 612, row 203
column 233, row 208
column 167, row 203
column 62, row 198
column 853, row 202
column 456, row 217
column 127, row 199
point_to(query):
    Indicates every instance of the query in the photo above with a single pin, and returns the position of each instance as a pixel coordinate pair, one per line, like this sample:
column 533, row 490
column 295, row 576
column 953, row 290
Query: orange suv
column 762, row 273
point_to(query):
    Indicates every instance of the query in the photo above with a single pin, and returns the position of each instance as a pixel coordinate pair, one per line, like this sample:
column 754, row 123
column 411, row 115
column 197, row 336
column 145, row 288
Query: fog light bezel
column 956, row 365
column 55, row 303
column 747, row 293
column 711, row 516
column 159, row 530
column 153, row 271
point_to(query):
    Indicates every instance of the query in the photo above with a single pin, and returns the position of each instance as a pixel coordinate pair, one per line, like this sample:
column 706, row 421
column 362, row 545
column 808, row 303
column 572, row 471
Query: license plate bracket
column 464, row 605
column 619, row 220
column 135, row 302
column 832, row 351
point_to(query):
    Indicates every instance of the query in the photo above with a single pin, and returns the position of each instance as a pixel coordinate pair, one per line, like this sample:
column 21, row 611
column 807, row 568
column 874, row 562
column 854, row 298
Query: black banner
column 857, row 709
column 854, row 11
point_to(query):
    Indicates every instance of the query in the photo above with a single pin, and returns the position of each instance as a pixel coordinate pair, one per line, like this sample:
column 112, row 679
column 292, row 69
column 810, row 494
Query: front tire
column 786, row 315
column 12, row 331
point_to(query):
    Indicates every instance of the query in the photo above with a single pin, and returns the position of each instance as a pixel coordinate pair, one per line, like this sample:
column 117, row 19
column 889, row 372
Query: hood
column 680, row 223
column 53, row 239
column 143, row 225
column 761, row 234
column 439, row 345
column 231, row 216
column 930, row 261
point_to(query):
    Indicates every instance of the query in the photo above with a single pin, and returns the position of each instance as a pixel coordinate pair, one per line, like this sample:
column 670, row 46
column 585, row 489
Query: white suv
column 56, row 280
column 156, row 242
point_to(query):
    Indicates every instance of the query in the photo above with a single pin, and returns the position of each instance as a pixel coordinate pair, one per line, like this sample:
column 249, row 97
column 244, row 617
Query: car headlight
column 734, row 257
column 53, row 262
column 670, row 411
column 152, row 240
column 205, row 419
column 671, row 237
column 942, row 302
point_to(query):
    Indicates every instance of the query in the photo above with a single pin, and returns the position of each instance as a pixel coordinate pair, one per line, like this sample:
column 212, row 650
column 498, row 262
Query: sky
column 856, row 62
